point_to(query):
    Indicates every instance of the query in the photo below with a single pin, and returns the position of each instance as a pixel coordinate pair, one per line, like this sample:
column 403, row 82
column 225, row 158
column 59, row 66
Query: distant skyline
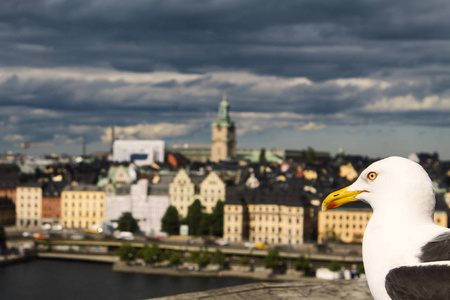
column 371, row 77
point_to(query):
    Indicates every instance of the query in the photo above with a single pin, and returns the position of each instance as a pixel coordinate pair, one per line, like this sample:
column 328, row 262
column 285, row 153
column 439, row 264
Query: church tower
column 223, row 134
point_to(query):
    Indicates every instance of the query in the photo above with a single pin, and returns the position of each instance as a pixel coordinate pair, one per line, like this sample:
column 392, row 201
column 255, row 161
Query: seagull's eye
column 372, row 175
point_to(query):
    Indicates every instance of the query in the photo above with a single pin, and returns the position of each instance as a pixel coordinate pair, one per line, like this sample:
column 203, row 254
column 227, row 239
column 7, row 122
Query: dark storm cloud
column 397, row 52
column 317, row 39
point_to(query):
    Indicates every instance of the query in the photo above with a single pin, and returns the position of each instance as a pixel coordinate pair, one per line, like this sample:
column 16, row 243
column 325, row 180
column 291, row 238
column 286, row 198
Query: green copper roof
column 223, row 117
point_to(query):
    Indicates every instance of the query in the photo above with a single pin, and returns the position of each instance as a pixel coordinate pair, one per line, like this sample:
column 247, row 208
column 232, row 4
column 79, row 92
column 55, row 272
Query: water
column 53, row 279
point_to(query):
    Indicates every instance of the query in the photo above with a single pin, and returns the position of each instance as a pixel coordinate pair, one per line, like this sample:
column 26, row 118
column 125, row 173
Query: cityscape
column 203, row 149
column 234, row 201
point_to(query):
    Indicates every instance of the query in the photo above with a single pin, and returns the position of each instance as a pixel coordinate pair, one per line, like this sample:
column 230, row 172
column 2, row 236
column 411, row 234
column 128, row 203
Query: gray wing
column 427, row 282
column 437, row 249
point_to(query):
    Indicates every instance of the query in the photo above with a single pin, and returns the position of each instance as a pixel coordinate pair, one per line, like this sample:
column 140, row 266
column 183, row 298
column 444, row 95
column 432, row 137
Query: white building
column 158, row 207
column 147, row 209
column 141, row 152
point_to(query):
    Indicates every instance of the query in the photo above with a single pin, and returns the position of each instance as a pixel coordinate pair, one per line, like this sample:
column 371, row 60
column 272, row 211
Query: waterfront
column 54, row 279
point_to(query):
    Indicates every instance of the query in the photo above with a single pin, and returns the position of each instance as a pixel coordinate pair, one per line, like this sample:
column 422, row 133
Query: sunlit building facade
column 273, row 216
column 212, row 190
column 29, row 205
column 348, row 223
column 82, row 206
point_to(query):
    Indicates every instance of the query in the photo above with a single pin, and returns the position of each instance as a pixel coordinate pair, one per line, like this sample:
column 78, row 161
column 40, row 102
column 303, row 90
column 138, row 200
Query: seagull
column 405, row 254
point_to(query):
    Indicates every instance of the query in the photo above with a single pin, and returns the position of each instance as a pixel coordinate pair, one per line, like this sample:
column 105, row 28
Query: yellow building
column 82, row 206
column 235, row 225
column 348, row 171
column 276, row 224
column 212, row 190
column 185, row 189
column 274, row 217
column 29, row 205
column 349, row 224
column 343, row 224
column 181, row 192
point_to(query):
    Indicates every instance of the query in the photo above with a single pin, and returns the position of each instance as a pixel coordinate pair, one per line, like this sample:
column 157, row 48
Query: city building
column 185, row 189
column 159, row 201
column 212, row 190
column 8, row 189
column 141, row 152
column 235, row 220
column 29, row 205
column 7, row 212
column 51, row 202
column 348, row 222
column 223, row 144
column 275, row 215
column 147, row 209
column 82, row 206
column 9, row 180
column 116, row 177
column 193, row 152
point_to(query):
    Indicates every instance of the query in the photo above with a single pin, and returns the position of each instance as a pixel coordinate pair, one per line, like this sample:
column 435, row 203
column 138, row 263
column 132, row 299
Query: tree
column 176, row 258
column 205, row 226
column 126, row 252
column 203, row 260
column 218, row 258
column 194, row 218
column 170, row 223
column 361, row 269
column 244, row 260
column 334, row 266
column 272, row 259
column 302, row 264
column 217, row 219
column 208, row 224
column 309, row 155
column 128, row 223
column 3, row 248
column 194, row 255
column 262, row 156
column 331, row 236
column 150, row 254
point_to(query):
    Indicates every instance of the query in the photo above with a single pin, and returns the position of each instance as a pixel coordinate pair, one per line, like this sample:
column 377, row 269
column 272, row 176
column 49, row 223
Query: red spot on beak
column 332, row 205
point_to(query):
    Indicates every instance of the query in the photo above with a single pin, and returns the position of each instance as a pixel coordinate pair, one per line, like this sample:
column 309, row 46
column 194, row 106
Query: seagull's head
column 390, row 183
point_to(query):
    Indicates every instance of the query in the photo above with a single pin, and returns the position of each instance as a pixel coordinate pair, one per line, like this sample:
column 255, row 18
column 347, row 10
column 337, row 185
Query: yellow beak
column 339, row 198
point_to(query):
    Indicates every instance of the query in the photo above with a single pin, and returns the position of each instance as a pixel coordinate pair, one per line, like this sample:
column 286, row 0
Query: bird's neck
column 386, row 240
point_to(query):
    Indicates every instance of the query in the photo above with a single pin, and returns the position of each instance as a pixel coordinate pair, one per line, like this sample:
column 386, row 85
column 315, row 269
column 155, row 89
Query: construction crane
column 27, row 145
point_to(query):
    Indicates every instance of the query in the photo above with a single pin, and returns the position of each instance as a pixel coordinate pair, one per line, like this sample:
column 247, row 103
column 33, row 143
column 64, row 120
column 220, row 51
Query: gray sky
column 369, row 76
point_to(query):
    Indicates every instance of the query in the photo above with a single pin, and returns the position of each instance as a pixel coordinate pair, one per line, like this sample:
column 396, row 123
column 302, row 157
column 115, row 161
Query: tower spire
column 223, row 133
column 224, row 111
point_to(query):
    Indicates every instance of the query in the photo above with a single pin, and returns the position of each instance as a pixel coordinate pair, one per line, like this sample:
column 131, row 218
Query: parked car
column 249, row 245
column 222, row 242
column 261, row 246
column 77, row 237
column 46, row 226
column 124, row 235
column 57, row 227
